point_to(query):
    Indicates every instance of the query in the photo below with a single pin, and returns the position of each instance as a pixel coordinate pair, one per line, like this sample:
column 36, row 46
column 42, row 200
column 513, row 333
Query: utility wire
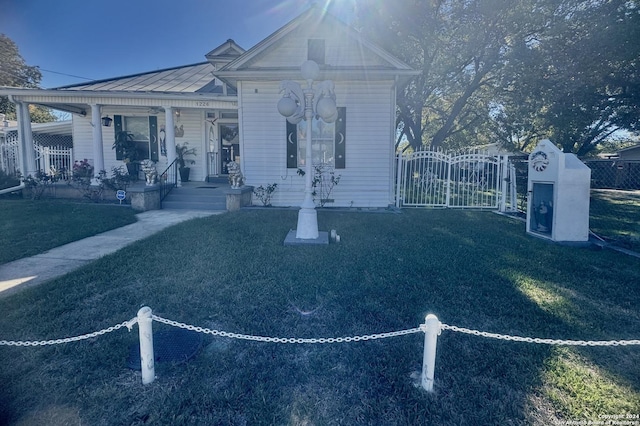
column 68, row 75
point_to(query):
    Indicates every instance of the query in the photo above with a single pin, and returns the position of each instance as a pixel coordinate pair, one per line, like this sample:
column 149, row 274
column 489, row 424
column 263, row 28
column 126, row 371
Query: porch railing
column 168, row 180
column 213, row 164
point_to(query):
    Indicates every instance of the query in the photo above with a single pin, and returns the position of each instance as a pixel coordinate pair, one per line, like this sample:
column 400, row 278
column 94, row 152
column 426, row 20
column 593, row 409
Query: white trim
column 241, row 128
column 392, row 148
column 115, row 98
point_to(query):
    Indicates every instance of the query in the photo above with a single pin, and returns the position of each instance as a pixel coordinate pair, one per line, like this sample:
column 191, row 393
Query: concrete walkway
column 31, row 271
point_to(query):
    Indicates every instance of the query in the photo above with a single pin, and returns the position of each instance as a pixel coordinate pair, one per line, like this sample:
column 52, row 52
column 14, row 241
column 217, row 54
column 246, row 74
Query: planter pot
column 184, row 174
column 132, row 169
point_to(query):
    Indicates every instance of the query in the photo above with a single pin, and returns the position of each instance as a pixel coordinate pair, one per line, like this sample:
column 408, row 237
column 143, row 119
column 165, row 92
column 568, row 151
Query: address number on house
column 203, row 103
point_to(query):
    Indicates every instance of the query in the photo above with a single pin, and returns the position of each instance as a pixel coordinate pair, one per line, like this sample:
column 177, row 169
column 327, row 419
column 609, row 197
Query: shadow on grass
column 232, row 272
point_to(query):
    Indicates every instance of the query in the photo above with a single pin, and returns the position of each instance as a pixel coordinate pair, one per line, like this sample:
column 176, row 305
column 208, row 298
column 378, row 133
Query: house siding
column 369, row 163
column 190, row 120
column 340, row 50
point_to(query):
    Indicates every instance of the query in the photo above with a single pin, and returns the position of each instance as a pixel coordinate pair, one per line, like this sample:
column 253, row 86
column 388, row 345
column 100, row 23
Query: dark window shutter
column 153, row 137
column 340, row 138
column 117, row 128
column 292, row 146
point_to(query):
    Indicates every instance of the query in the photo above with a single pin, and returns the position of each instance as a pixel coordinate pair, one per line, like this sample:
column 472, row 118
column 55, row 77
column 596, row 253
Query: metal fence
column 614, row 174
column 434, row 178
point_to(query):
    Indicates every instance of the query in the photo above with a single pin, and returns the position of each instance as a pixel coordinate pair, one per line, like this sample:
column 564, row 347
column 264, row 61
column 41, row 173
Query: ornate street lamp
column 306, row 103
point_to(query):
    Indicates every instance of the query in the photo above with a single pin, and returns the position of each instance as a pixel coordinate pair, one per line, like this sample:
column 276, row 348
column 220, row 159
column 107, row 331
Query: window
column 327, row 142
column 315, row 50
column 144, row 131
column 138, row 127
column 322, row 138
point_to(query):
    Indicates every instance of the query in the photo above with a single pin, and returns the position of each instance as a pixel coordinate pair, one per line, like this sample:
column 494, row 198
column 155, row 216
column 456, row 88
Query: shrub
column 264, row 193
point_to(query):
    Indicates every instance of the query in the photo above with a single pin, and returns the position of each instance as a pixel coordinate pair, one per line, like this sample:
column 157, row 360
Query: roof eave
column 325, row 74
column 68, row 93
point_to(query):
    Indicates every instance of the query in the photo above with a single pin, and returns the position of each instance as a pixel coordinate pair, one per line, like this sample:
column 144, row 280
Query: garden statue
column 543, row 214
column 235, row 175
column 150, row 172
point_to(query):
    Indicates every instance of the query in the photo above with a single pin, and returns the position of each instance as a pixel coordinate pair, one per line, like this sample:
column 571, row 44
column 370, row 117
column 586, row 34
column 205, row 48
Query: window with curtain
column 327, row 142
column 145, row 134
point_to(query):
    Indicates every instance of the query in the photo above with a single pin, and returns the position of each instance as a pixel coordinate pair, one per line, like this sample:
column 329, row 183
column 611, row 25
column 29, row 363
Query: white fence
column 432, row 328
column 475, row 179
column 10, row 157
column 53, row 155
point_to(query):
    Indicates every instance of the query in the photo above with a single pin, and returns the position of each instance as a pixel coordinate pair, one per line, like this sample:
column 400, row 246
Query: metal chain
column 127, row 324
column 422, row 328
column 285, row 339
column 541, row 341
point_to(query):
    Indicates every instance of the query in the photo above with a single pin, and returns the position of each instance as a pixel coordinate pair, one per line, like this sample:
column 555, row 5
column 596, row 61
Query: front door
column 229, row 145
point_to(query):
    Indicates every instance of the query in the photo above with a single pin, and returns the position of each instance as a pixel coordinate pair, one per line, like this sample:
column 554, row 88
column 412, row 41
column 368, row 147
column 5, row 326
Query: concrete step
column 186, row 195
column 196, row 196
column 219, row 180
column 192, row 205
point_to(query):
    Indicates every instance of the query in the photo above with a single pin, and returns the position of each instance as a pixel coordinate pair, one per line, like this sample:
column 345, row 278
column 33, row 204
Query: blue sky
column 102, row 39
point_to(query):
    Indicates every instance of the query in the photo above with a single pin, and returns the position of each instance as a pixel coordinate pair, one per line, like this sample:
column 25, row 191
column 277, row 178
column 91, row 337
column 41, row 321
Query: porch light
column 297, row 104
column 106, row 121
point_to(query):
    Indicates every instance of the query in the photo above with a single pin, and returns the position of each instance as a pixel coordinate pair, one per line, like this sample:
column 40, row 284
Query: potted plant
column 182, row 152
column 126, row 150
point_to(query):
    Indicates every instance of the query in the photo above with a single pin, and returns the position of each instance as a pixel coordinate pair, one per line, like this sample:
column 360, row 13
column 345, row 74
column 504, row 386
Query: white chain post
column 145, row 330
column 431, row 334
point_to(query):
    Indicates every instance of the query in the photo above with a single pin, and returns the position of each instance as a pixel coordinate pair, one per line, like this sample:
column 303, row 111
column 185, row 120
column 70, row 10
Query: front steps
column 197, row 196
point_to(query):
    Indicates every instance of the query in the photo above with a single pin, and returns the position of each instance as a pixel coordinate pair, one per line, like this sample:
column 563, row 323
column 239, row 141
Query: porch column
column 98, row 153
column 25, row 137
column 170, row 136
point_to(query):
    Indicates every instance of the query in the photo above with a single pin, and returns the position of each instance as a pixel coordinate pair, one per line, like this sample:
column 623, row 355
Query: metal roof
column 197, row 78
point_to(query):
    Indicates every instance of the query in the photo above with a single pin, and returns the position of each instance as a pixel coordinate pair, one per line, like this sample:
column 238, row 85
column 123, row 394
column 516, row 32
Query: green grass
column 232, row 272
column 615, row 215
column 30, row 227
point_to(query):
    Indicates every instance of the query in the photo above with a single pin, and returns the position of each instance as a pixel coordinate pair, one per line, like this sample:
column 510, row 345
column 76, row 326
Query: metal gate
column 433, row 178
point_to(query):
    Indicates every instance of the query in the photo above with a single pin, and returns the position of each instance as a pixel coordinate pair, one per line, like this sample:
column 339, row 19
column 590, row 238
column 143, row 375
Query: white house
column 226, row 108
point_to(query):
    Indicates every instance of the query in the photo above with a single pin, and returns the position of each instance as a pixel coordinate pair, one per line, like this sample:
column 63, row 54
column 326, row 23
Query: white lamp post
column 298, row 104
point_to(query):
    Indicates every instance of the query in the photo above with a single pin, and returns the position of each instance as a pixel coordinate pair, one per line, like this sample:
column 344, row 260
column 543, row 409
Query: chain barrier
column 540, row 341
column 295, row 340
column 285, row 339
column 129, row 324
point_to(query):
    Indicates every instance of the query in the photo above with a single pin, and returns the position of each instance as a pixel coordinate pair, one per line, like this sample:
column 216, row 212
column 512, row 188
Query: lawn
column 231, row 272
column 30, row 227
column 614, row 215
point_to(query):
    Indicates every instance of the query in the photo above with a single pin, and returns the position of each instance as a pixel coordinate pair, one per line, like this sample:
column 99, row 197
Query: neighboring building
column 631, row 153
column 225, row 108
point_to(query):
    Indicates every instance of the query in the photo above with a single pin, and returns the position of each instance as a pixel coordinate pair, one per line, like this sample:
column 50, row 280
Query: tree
column 461, row 47
column 578, row 84
column 515, row 71
column 15, row 72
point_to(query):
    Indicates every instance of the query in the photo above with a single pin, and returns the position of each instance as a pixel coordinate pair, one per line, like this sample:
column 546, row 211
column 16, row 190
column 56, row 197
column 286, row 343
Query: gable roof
column 196, row 78
column 389, row 66
column 226, row 52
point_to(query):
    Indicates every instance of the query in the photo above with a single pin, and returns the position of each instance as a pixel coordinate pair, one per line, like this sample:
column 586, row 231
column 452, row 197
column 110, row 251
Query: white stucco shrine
column 558, row 195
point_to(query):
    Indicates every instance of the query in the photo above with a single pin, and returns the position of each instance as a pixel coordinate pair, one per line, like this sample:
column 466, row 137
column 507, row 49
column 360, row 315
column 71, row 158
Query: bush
column 264, row 193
